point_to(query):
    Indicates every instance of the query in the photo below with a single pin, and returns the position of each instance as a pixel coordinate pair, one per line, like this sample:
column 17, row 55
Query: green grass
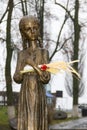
column 3, row 115
column 4, row 124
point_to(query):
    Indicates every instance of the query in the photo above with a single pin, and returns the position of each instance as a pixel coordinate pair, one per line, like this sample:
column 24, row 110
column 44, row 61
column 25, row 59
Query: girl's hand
column 45, row 77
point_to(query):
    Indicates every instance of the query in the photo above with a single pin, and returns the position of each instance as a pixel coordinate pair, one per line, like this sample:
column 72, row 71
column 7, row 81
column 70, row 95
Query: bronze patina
column 32, row 107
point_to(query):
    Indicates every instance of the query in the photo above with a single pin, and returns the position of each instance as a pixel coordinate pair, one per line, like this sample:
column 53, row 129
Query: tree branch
column 2, row 39
column 55, row 50
column 68, row 12
column 4, row 14
column 64, row 43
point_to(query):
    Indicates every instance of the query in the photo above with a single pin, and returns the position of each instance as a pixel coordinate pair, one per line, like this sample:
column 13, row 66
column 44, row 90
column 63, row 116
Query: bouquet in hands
column 55, row 67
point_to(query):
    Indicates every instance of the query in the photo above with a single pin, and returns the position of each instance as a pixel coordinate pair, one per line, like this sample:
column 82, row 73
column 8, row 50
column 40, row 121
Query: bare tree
column 75, row 56
column 24, row 7
column 10, row 102
column 9, row 55
column 77, row 28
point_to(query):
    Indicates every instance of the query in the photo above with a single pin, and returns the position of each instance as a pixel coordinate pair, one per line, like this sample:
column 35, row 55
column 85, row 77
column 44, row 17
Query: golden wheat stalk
column 56, row 67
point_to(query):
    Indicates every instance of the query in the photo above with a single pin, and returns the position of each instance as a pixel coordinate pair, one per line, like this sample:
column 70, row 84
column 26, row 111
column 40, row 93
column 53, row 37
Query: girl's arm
column 18, row 77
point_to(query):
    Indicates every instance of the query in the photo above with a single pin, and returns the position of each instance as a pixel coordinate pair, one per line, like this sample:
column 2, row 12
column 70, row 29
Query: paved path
column 75, row 124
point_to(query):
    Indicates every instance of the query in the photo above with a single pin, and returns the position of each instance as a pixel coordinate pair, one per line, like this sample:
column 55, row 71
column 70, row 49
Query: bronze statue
column 32, row 107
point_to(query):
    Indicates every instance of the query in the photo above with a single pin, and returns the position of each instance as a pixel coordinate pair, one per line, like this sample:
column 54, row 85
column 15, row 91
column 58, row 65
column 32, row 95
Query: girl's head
column 30, row 29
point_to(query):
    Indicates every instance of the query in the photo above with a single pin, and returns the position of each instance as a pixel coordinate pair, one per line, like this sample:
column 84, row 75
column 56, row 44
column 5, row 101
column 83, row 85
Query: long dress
column 32, row 107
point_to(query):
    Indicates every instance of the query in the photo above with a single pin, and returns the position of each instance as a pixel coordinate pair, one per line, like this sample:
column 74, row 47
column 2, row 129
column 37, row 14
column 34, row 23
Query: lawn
column 4, row 124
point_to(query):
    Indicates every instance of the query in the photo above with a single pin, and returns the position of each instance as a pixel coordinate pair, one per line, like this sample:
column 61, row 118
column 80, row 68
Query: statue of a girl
column 32, row 107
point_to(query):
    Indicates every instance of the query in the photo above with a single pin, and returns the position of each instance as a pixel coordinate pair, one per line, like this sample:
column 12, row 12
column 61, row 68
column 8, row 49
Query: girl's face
column 31, row 30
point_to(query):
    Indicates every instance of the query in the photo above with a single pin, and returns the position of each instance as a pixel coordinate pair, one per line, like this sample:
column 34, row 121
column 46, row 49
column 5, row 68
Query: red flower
column 44, row 67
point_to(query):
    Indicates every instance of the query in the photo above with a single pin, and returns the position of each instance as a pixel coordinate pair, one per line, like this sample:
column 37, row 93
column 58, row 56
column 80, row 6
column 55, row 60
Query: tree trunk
column 75, row 57
column 41, row 13
column 8, row 62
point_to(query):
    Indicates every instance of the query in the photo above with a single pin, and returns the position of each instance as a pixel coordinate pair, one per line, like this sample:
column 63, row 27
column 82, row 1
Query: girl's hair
column 22, row 23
